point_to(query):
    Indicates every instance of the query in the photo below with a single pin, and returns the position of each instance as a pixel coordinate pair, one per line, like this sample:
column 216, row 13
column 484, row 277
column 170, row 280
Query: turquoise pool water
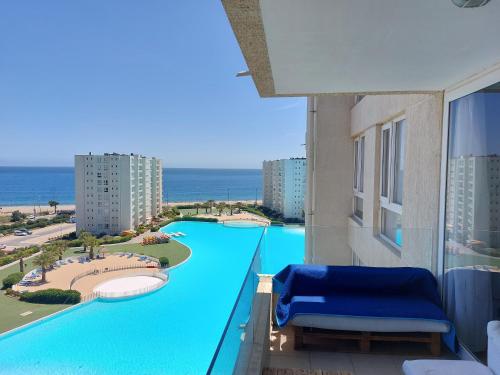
column 282, row 246
column 174, row 330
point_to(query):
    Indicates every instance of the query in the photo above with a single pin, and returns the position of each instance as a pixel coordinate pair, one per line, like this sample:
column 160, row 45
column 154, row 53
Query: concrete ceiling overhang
column 306, row 47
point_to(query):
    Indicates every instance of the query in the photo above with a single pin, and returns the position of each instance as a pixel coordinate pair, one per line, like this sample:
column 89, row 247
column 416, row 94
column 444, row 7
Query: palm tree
column 211, row 203
column 239, row 206
column 220, row 207
column 54, row 204
column 93, row 243
column 59, row 247
column 84, row 236
column 44, row 261
column 197, row 206
column 21, row 265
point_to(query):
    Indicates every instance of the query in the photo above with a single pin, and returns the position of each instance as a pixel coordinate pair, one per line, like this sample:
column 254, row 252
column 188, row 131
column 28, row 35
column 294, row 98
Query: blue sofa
column 363, row 301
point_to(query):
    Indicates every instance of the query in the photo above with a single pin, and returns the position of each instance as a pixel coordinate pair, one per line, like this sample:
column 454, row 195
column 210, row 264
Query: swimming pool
column 282, row 246
column 174, row 330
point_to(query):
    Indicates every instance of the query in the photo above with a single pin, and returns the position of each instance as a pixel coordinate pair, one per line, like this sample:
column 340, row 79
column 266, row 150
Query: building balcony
column 267, row 349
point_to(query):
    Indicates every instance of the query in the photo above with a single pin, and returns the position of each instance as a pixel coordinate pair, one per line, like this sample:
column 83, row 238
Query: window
column 391, row 180
column 358, row 182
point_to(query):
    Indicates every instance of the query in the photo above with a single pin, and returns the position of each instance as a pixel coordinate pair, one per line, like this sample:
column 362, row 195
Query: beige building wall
column 333, row 123
column 330, row 171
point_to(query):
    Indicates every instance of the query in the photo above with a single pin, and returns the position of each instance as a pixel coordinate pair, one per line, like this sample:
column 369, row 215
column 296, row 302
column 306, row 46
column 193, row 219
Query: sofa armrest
column 494, row 346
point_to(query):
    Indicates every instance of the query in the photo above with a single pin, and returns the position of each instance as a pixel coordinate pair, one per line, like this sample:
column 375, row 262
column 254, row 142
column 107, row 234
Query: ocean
column 38, row 185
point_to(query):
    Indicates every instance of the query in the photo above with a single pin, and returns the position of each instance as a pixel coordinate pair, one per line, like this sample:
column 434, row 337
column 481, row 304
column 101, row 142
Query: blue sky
column 154, row 77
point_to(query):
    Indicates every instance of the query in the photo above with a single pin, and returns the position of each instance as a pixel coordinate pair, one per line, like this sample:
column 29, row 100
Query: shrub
column 52, row 296
column 17, row 216
column 12, row 279
column 32, row 224
column 114, row 239
column 24, row 252
column 141, row 229
column 196, row 218
column 155, row 228
column 12, row 292
column 164, row 262
column 277, row 223
column 185, row 206
column 255, row 211
column 75, row 243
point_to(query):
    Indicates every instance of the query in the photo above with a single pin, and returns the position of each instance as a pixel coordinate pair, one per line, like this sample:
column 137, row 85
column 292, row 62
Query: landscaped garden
column 12, row 307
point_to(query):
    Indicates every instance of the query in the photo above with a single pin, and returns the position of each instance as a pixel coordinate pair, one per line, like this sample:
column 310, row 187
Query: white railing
column 98, row 271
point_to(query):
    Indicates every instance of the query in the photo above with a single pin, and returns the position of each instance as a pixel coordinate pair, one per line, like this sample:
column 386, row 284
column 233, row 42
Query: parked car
column 18, row 232
column 25, row 230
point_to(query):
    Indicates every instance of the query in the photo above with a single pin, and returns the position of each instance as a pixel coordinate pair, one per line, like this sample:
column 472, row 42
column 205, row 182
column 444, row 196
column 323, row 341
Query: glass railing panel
column 370, row 246
column 235, row 347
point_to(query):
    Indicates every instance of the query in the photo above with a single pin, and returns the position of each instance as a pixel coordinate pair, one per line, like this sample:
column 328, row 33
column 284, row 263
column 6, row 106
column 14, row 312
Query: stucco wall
column 333, row 122
column 330, row 170
column 423, row 114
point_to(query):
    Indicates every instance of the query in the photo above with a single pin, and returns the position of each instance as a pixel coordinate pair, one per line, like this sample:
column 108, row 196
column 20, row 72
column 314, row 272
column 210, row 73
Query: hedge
column 188, row 218
column 106, row 240
column 52, row 297
column 114, row 239
column 255, row 211
column 32, row 224
column 196, row 218
column 185, row 206
column 164, row 262
column 25, row 252
column 12, row 279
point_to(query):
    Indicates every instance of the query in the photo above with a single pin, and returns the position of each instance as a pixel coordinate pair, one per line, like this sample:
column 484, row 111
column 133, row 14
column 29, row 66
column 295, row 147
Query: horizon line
column 69, row 166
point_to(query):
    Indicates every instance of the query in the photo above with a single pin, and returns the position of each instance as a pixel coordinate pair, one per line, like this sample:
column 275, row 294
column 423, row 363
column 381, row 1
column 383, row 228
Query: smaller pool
column 244, row 224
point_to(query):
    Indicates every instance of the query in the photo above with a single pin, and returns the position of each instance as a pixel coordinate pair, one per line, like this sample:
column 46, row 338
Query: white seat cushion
column 444, row 367
column 369, row 324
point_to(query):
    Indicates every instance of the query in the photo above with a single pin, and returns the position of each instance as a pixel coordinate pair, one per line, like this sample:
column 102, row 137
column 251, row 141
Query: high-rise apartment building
column 473, row 199
column 116, row 192
column 284, row 186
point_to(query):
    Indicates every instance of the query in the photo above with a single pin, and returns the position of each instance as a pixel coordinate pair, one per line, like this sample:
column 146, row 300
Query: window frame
column 387, row 202
column 359, row 170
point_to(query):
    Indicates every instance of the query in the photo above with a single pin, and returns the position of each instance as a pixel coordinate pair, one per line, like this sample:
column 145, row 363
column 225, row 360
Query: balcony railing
column 235, row 346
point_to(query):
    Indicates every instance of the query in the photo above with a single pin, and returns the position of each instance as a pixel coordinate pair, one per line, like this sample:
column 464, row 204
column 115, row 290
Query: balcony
column 266, row 349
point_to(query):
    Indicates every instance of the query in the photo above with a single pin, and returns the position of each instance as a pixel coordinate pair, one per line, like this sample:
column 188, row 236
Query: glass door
column 472, row 216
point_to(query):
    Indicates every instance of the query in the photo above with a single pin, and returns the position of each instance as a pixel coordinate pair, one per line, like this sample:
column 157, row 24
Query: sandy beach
column 7, row 210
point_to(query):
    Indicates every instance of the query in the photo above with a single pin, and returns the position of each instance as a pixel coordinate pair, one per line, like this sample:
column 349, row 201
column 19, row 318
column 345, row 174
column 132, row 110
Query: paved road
column 38, row 237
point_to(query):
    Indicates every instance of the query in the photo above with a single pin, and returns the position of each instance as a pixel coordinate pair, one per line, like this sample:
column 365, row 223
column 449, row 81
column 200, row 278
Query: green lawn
column 10, row 308
column 174, row 251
